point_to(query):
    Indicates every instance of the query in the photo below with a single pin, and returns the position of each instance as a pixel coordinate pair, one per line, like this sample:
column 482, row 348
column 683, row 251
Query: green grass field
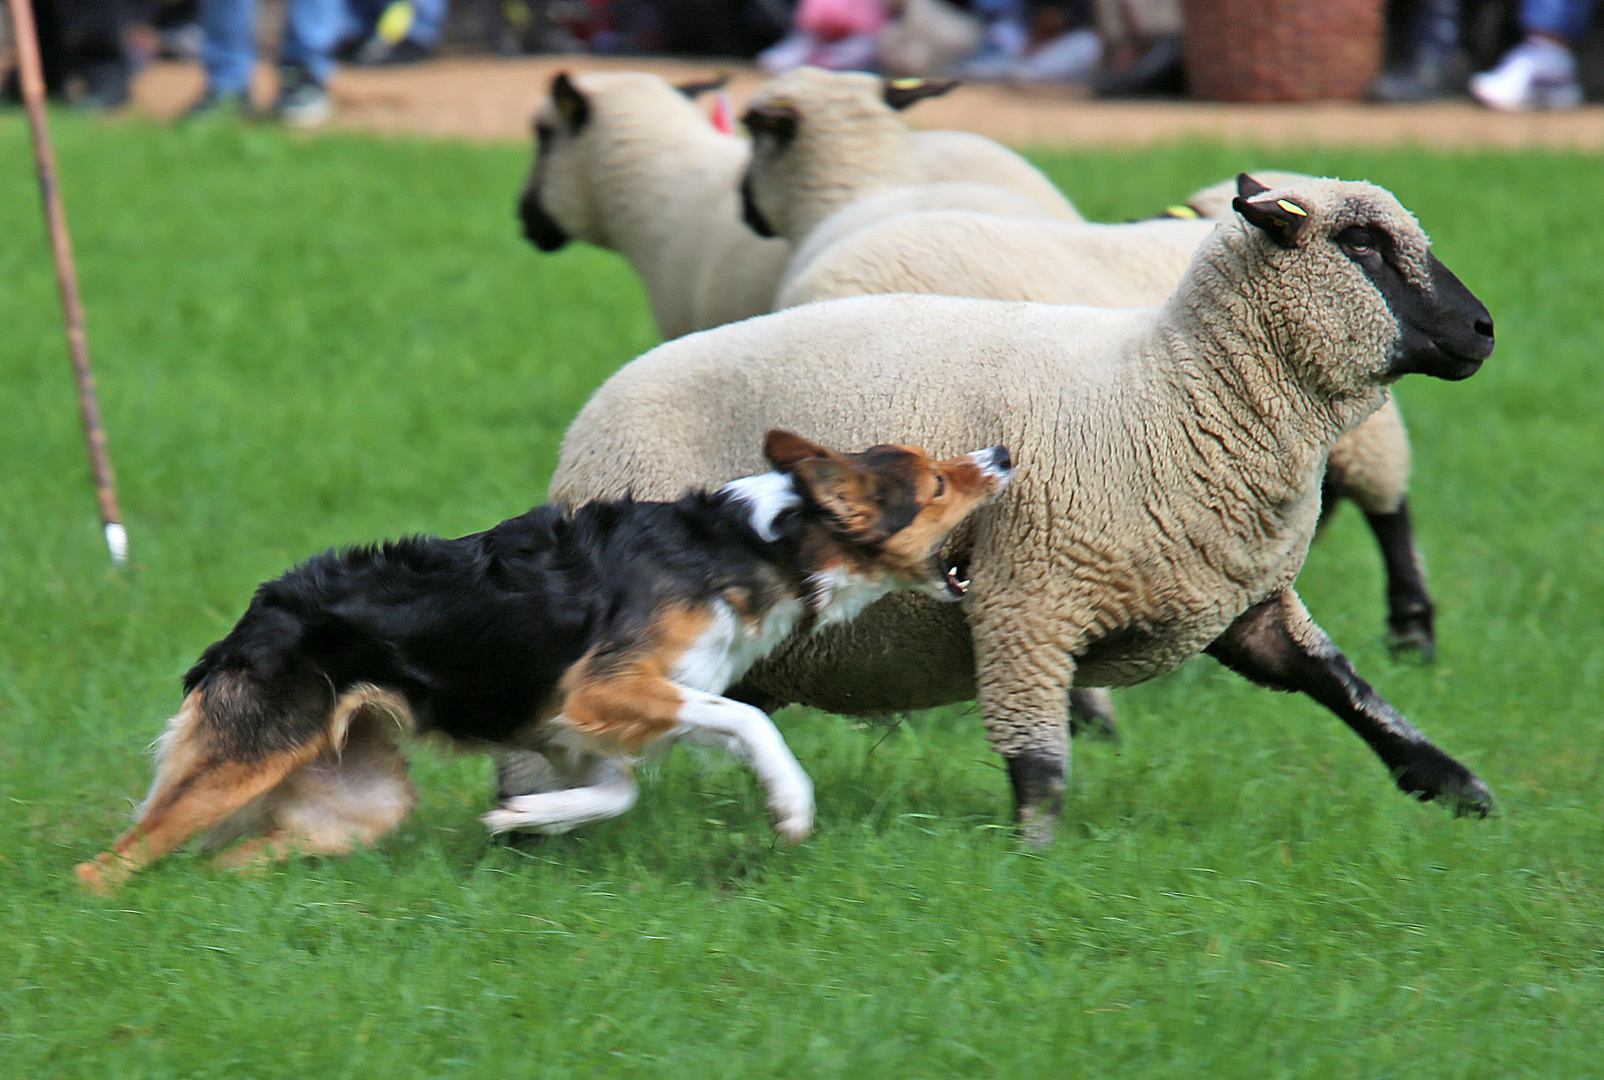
column 308, row 342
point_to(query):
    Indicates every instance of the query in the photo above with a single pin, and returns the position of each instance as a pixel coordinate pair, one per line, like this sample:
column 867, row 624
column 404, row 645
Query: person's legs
column 1429, row 69
column 228, row 46
column 428, row 23
column 1564, row 21
column 311, row 30
column 98, row 51
column 1540, row 72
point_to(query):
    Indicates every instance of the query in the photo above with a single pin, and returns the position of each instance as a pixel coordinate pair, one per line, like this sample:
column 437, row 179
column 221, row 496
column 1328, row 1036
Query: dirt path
column 492, row 99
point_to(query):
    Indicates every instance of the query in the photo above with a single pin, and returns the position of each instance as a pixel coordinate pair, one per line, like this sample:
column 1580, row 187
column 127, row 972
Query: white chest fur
column 841, row 595
column 729, row 646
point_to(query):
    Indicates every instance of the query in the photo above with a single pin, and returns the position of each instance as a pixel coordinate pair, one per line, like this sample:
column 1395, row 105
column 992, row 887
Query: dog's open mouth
column 957, row 581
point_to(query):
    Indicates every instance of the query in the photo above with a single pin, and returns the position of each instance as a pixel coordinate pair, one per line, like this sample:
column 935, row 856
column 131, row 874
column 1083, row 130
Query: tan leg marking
column 197, row 788
column 340, row 801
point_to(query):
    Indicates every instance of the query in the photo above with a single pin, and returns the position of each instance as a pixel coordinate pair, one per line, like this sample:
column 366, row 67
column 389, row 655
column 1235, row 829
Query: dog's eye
column 941, row 486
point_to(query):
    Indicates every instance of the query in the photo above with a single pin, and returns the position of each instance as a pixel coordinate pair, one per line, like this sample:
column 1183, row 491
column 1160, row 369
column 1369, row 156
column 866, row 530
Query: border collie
column 590, row 636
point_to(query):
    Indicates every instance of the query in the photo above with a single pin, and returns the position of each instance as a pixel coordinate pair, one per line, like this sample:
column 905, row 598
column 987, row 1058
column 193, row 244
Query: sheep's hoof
column 1412, row 641
column 1038, row 781
column 1037, row 828
column 1439, row 778
column 1473, row 799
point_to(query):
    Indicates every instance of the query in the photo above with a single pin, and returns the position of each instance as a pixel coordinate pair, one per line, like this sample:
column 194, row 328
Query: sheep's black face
column 1445, row 332
column 540, row 228
column 773, row 126
column 750, row 213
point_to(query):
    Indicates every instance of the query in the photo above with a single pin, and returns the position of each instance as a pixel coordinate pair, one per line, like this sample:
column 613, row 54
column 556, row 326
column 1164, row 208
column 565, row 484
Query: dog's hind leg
column 198, row 785
column 526, row 772
column 341, row 800
column 606, row 792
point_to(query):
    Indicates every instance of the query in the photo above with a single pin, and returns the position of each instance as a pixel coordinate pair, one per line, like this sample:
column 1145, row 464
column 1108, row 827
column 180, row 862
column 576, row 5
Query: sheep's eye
column 1357, row 240
column 544, row 131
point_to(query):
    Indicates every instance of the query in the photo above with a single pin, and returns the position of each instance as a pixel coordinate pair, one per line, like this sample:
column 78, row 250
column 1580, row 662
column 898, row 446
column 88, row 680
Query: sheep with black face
column 830, row 156
column 628, row 162
column 1002, row 257
column 1170, row 465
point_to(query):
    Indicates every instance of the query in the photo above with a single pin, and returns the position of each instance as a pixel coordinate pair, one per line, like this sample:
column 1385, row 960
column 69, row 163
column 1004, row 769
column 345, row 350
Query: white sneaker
column 1536, row 74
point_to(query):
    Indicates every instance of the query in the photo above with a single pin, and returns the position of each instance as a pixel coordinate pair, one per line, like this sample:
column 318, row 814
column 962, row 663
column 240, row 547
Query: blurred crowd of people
column 1117, row 48
column 91, row 49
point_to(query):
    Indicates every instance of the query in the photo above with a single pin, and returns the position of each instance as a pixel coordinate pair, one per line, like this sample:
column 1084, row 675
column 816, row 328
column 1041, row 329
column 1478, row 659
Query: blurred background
column 1504, row 55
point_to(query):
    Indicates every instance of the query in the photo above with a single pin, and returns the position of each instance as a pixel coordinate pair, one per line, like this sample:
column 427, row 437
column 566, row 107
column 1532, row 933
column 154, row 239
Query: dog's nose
column 1001, row 459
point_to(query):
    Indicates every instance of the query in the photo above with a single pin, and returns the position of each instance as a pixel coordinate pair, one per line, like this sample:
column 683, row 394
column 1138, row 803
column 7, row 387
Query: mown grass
column 308, row 342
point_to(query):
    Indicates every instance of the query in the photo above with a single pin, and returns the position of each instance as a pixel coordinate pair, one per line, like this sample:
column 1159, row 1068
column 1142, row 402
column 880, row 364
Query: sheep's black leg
column 1276, row 644
column 1039, row 780
column 1409, row 607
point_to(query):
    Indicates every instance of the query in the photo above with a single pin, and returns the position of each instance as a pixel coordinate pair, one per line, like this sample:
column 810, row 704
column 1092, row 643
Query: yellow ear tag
column 1181, row 211
column 908, row 83
column 1292, row 208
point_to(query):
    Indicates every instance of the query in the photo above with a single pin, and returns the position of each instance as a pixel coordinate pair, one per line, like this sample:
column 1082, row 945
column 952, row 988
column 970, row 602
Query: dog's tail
column 237, row 736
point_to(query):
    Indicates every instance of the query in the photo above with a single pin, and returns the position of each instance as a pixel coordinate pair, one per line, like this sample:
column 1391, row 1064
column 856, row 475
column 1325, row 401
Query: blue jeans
column 1566, row 19
column 428, row 20
column 228, row 51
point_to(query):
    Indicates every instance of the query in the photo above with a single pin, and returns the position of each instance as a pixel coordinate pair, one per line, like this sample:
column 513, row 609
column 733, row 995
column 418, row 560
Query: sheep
column 823, row 140
column 627, row 162
column 1370, row 467
column 1001, row 257
column 1214, row 201
column 1168, row 482
column 1010, row 258
column 964, row 155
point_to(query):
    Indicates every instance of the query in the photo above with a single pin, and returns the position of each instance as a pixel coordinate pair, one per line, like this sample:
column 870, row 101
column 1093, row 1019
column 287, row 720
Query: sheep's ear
column 775, row 117
column 785, row 448
column 1283, row 219
column 571, row 104
column 696, row 88
column 1247, row 187
column 900, row 93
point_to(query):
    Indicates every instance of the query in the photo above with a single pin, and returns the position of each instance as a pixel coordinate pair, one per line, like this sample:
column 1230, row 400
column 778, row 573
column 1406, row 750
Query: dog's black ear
column 697, row 87
column 775, row 117
column 572, row 105
column 1247, row 187
column 1282, row 219
column 900, row 93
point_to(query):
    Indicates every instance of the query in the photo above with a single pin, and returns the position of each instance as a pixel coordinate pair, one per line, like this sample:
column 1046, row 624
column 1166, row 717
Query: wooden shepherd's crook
column 33, row 94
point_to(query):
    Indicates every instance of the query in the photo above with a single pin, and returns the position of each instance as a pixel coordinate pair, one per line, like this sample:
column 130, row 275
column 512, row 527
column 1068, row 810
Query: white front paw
column 794, row 828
